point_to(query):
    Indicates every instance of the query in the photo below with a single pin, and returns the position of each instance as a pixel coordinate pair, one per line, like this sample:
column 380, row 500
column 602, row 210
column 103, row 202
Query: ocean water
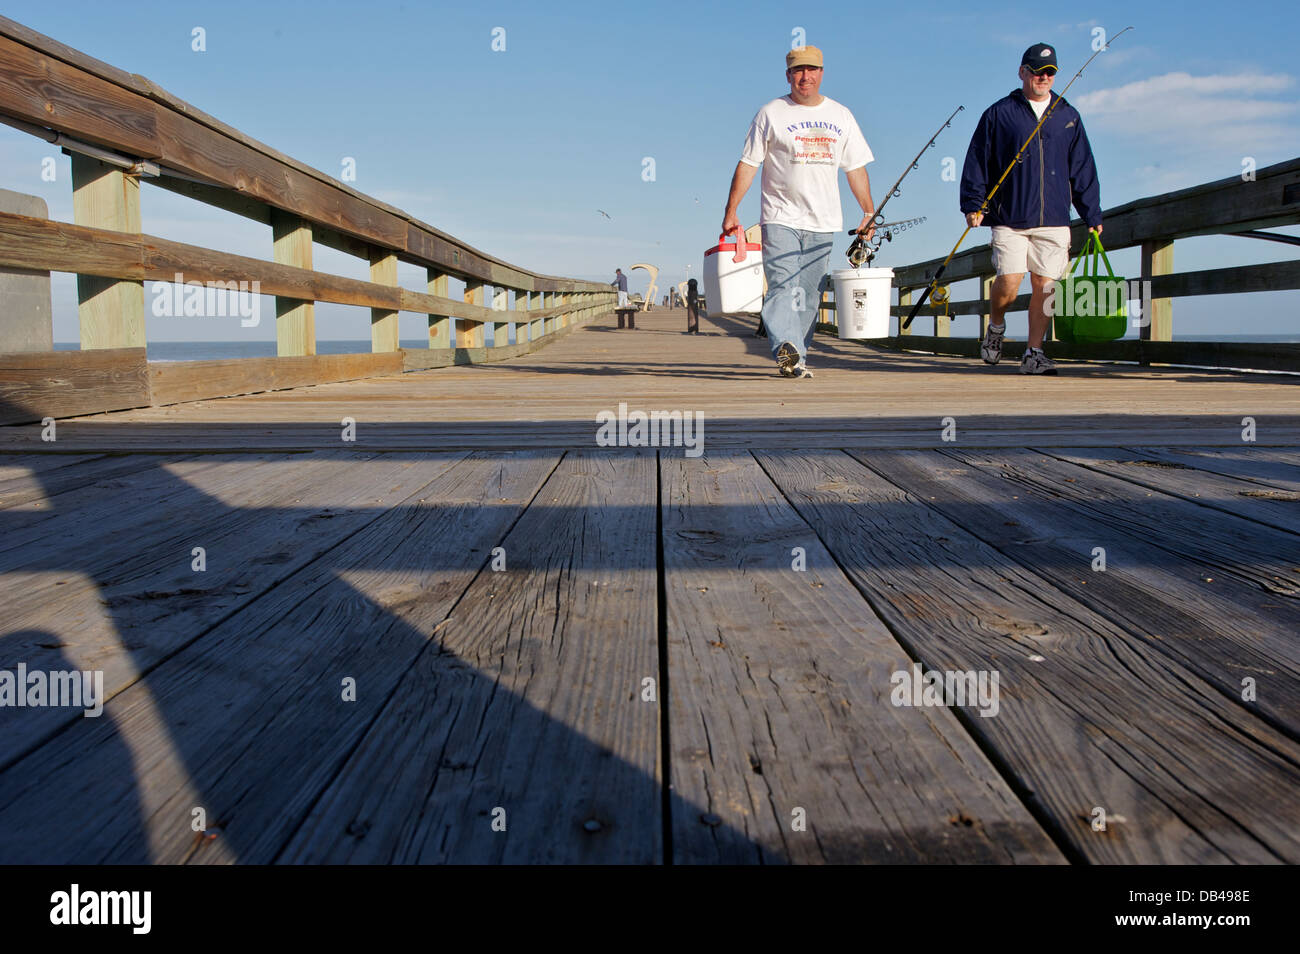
column 215, row 350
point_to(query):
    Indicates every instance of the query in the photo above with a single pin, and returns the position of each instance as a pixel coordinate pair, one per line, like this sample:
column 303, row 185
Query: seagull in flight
column 605, row 214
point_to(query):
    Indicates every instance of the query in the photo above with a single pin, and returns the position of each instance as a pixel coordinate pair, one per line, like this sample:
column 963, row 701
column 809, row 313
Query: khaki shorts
column 1043, row 251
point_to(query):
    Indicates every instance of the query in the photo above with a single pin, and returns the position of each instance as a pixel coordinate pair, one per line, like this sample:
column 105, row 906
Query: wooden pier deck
column 473, row 635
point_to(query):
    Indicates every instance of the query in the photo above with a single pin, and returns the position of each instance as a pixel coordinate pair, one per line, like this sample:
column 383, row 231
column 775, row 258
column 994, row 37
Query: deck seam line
column 665, row 711
column 55, row 732
column 1165, row 491
column 415, row 659
column 1050, row 826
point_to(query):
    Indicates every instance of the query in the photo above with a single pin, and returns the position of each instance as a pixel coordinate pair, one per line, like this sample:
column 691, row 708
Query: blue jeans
column 794, row 262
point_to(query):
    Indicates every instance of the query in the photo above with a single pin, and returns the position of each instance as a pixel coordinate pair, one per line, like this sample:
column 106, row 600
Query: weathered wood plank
column 1224, row 631
column 106, row 579
column 1087, row 719
column 35, row 385
column 32, row 481
column 24, row 477
column 529, row 699
column 1277, row 508
column 172, row 382
column 1259, row 555
column 779, row 681
column 1268, row 466
column 250, row 723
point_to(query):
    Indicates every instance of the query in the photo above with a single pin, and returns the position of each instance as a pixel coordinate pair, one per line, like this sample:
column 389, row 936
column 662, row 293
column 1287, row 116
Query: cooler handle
column 740, row 244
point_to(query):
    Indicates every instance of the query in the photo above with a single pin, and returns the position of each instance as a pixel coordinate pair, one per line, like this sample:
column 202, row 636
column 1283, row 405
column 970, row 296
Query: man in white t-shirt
column 802, row 141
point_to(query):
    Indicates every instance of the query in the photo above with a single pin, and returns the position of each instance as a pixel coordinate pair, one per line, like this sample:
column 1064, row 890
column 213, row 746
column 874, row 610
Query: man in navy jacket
column 1030, row 214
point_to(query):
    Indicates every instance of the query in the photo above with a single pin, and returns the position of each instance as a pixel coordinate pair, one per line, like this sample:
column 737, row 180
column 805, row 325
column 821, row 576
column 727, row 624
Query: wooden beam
column 384, row 332
column 904, row 306
column 35, row 385
column 536, row 326
column 986, row 303
column 51, row 85
column 1158, row 259
column 469, row 333
column 172, row 382
column 295, row 321
column 111, row 311
column 439, row 324
column 500, row 309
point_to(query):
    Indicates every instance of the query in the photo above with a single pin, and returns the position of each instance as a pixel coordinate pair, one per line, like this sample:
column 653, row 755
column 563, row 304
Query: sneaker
column 801, row 370
column 991, row 348
column 1035, row 362
column 787, row 360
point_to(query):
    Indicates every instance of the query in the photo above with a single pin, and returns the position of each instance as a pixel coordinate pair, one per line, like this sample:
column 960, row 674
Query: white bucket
column 862, row 301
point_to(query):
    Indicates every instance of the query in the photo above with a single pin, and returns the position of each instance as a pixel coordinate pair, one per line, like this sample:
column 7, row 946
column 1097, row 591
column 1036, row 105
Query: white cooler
column 862, row 301
column 733, row 277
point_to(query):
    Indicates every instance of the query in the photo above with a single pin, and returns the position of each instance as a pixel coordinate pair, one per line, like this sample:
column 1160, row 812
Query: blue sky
column 514, row 151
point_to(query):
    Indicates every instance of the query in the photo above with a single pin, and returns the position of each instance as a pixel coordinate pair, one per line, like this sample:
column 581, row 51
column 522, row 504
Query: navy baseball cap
column 1039, row 57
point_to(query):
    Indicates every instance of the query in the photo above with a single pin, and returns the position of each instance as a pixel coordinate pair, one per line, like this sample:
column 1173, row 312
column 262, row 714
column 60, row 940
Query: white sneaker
column 788, row 360
column 991, row 348
column 1035, row 362
column 801, row 369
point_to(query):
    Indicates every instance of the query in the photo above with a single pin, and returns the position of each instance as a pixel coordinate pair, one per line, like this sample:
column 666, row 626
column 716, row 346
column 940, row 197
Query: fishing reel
column 860, row 251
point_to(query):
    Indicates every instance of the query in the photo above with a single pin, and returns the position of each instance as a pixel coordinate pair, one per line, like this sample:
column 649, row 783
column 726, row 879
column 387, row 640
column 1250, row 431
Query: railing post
column 904, row 301
column 986, row 299
column 384, row 332
column 469, row 331
column 110, row 310
column 1158, row 259
column 439, row 325
column 521, row 316
column 295, row 320
column 536, row 327
column 500, row 329
column 942, row 325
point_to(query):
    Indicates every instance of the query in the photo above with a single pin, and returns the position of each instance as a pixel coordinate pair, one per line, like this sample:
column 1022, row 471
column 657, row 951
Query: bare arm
column 740, row 183
column 860, row 183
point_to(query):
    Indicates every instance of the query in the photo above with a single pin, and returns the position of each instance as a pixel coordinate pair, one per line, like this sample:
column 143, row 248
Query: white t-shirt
column 1039, row 106
column 801, row 150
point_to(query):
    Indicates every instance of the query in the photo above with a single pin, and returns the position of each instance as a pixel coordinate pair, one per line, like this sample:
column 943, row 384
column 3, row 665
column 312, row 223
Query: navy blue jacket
column 1056, row 170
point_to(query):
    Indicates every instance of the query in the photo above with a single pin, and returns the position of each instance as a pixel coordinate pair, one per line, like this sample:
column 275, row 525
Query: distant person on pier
column 620, row 282
column 802, row 141
column 692, row 307
column 1030, row 214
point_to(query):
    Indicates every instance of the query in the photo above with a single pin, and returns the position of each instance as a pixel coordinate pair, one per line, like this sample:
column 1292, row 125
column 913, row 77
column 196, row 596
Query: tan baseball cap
column 804, row 56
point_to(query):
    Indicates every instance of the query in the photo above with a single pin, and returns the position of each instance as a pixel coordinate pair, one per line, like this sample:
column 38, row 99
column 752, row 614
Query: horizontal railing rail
column 122, row 130
column 1268, row 197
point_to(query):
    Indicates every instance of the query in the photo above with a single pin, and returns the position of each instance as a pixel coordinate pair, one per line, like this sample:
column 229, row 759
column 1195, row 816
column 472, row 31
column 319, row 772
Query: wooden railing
column 122, row 130
column 1270, row 199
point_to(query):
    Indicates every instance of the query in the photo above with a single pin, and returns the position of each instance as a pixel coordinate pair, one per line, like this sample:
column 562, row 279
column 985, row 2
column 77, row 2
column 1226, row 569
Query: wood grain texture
column 1242, row 498
column 780, row 681
column 105, row 576
column 59, row 384
column 1087, row 718
column 250, row 723
column 1224, row 630
column 528, row 699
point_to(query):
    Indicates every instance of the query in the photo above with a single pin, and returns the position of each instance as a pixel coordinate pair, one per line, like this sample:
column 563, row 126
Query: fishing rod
column 984, row 207
column 860, row 251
